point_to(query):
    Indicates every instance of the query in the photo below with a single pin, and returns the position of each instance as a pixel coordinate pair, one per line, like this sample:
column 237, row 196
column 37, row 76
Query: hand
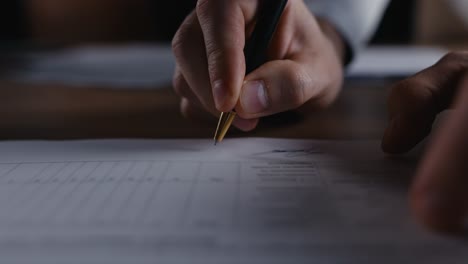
column 439, row 194
column 305, row 62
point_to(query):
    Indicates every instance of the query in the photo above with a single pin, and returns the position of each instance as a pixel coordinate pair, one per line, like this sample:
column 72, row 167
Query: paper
column 394, row 61
column 136, row 66
column 187, row 201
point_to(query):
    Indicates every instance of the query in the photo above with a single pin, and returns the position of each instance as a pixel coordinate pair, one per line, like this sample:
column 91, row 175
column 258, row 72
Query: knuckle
column 456, row 56
column 411, row 95
column 455, row 59
column 298, row 80
column 215, row 55
column 325, row 92
column 403, row 90
column 177, row 43
column 184, row 36
column 222, row 57
column 203, row 7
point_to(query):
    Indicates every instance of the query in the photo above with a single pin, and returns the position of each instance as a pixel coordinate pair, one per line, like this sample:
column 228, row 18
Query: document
column 248, row 200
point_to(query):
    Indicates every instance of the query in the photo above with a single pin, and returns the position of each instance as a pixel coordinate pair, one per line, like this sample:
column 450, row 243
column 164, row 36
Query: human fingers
column 439, row 194
column 192, row 76
column 279, row 86
column 195, row 112
column 191, row 79
column 414, row 103
column 223, row 23
column 193, row 109
column 305, row 66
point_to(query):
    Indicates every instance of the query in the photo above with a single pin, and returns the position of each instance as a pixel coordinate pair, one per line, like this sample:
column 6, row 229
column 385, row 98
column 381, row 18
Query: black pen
column 255, row 51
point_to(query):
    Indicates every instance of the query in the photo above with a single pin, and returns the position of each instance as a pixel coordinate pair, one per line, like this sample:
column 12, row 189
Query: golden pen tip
column 225, row 121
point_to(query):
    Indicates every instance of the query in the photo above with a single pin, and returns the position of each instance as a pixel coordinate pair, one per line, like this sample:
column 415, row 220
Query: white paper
column 394, row 61
column 128, row 66
column 187, row 201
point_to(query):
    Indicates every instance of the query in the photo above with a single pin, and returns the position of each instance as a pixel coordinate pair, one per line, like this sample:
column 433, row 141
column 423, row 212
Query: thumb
column 414, row 103
column 282, row 85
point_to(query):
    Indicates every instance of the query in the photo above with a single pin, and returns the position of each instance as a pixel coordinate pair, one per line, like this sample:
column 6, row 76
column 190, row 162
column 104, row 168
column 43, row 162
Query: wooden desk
column 60, row 112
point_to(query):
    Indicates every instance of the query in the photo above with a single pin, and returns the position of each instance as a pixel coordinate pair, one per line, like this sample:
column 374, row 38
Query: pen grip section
column 256, row 47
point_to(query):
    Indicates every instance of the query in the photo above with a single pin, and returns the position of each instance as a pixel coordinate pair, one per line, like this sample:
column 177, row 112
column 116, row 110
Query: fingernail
column 254, row 98
column 219, row 93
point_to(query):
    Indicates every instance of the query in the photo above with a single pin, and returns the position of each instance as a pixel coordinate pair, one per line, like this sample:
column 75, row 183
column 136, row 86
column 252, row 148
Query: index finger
column 223, row 24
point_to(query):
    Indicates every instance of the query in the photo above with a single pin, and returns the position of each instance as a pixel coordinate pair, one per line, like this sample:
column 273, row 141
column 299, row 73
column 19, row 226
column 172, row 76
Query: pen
column 255, row 51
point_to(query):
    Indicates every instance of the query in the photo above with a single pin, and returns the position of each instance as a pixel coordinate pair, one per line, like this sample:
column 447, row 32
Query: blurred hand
column 439, row 195
column 305, row 62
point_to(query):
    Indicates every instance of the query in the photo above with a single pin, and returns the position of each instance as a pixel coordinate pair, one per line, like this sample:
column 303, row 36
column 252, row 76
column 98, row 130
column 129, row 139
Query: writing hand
column 305, row 62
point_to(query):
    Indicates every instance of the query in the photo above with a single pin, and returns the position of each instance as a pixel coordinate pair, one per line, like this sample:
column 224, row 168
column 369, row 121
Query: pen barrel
column 255, row 50
column 256, row 47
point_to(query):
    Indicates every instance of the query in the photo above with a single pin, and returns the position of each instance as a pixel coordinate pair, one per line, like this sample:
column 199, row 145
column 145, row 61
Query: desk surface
column 60, row 112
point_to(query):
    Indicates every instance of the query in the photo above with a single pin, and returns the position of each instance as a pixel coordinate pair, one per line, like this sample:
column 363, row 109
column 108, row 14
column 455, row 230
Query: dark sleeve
column 12, row 18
